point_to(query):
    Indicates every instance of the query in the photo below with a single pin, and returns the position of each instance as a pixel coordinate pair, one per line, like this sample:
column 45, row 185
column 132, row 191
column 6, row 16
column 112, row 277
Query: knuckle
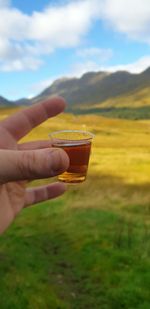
column 27, row 165
column 33, row 164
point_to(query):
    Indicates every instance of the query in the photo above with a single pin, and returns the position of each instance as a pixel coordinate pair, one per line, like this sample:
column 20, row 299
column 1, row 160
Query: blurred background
column 89, row 248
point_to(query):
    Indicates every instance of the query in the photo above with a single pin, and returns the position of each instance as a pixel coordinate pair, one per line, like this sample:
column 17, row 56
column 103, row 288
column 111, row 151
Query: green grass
column 91, row 247
column 58, row 256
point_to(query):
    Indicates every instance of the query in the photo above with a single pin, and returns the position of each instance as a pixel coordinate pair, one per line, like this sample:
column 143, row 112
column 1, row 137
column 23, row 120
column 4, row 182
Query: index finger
column 21, row 123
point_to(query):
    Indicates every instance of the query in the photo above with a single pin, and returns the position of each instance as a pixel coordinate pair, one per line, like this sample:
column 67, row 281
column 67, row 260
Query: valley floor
column 91, row 247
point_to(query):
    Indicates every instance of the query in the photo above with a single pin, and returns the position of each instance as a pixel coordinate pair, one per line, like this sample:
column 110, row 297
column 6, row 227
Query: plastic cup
column 77, row 145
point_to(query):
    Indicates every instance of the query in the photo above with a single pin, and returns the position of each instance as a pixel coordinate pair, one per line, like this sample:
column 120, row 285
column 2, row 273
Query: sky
column 44, row 40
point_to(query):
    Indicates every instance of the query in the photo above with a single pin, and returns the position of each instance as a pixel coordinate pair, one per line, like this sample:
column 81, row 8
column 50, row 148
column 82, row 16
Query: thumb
column 32, row 164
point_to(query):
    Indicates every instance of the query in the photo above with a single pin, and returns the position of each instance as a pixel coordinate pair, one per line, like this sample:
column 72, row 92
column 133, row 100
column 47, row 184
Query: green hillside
column 134, row 105
column 134, row 99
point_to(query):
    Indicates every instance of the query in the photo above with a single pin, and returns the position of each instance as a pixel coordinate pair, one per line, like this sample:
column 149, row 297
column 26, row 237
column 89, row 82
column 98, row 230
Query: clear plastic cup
column 77, row 145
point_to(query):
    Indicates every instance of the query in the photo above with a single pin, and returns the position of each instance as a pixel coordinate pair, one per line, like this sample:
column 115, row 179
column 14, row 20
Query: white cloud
column 64, row 25
column 136, row 67
column 17, row 57
column 26, row 63
column 131, row 17
column 101, row 54
column 29, row 37
column 80, row 68
column 4, row 3
column 14, row 25
column 55, row 27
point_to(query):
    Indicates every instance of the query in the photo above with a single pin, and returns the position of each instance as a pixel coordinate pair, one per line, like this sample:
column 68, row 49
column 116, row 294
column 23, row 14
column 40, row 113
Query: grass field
column 89, row 249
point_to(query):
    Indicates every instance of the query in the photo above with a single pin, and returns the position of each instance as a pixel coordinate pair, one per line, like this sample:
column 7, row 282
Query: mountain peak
column 57, row 82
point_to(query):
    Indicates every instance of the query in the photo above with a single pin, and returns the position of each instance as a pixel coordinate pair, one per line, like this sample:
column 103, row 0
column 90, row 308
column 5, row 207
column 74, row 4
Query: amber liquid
column 79, row 158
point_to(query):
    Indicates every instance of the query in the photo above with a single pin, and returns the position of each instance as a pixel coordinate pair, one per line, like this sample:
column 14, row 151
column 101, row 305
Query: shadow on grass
column 111, row 193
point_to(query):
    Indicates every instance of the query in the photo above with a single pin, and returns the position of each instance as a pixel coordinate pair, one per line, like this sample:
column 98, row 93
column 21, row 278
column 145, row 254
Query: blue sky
column 43, row 40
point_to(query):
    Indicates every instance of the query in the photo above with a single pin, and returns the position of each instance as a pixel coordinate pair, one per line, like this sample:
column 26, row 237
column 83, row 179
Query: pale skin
column 20, row 163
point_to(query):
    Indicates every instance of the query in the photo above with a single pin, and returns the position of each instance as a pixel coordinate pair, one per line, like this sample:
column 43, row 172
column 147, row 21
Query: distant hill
column 23, row 101
column 4, row 102
column 119, row 94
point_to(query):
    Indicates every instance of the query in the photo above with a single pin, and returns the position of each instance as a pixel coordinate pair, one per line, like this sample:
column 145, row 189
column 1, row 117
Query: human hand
column 20, row 163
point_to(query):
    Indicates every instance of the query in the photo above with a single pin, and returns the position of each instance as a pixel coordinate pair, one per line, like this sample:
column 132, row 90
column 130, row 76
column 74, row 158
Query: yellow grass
column 119, row 171
column 135, row 99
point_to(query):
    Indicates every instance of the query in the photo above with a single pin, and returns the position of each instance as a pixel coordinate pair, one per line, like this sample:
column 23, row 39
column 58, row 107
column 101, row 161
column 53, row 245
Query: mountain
column 96, row 87
column 76, row 90
column 23, row 101
column 119, row 94
column 5, row 103
column 105, row 93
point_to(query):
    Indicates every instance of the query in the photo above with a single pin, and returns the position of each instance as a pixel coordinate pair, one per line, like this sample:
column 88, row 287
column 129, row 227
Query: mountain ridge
column 105, row 85
column 95, row 88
